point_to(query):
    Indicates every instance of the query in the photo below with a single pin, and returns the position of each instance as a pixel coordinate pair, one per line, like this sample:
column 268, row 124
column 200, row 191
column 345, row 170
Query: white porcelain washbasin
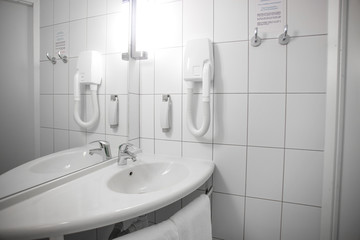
column 107, row 195
column 148, row 177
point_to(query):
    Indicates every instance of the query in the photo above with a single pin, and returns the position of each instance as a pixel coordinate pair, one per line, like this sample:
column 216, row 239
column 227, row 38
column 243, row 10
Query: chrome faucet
column 127, row 151
column 104, row 150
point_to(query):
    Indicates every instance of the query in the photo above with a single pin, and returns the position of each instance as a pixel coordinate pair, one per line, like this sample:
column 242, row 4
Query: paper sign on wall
column 60, row 42
column 270, row 15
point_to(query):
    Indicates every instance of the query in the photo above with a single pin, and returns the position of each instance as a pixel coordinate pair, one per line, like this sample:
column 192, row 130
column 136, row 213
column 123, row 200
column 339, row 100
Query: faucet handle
column 129, row 149
column 106, row 146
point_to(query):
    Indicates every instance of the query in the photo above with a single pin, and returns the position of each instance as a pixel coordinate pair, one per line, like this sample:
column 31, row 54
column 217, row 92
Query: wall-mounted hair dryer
column 198, row 67
column 89, row 71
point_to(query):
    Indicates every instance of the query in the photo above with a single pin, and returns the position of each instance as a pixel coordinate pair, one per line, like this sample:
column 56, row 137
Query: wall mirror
column 37, row 105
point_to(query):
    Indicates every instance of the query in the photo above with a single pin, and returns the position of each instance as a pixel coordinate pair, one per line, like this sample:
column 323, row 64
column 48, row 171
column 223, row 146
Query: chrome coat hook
column 63, row 58
column 255, row 40
column 51, row 59
column 284, row 38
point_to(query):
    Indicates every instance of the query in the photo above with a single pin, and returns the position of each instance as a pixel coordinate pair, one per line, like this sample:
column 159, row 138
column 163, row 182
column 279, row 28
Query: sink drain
column 130, row 173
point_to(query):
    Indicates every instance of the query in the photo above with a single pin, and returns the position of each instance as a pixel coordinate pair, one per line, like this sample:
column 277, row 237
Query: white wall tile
column 61, row 11
column 147, row 109
column 265, row 173
column 198, row 118
column 134, row 116
column 307, row 64
column 46, row 12
column 72, row 68
column 231, row 67
column 303, row 177
column 168, row 24
column 305, row 121
column 113, row 6
column 313, row 22
column 78, row 9
column 134, row 77
column 230, row 121
column 300, row 222
column 135, row 142
column 116, row 36
column 96, row 33
column 61, row 111
column 61, row 140
column 61, row 78
column 175, row 115
column 96, row 7
column 197, row 150
column 115, row 142
column 168, row 70
column 77, row 139
column 229, row 174
column 122, row 128
column 262, row 219
column 266, row 120
column 61, row 39
column 116, row 74
column 46, row 141
column 147, row 76
column 146, row 33
column 227, row 216
column 77, row 37
column 267, row 67
column 197, row 19
column 46, row 111
column 91, row 137
column 46, row 78
column 230, row 20
column 164, row 147
column 147, row 145
column 46, row 42
column 100, row 126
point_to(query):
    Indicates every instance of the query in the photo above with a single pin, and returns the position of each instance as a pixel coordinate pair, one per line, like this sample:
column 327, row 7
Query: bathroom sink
column 148, row 177
column 107, row 193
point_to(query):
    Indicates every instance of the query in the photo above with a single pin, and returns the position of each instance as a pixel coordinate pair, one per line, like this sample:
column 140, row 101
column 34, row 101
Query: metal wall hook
column 63, row 58
column 255, row 40
column 284, row 38
column 51, row 59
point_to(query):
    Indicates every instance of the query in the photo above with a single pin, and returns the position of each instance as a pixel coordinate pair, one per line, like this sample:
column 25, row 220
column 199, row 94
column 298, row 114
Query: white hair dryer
column 89, row 71
column 198, row 67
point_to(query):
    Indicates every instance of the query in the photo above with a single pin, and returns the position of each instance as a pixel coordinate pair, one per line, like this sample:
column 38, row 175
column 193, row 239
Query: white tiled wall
column 267, row 115
column 88, row 25
column 266, row 135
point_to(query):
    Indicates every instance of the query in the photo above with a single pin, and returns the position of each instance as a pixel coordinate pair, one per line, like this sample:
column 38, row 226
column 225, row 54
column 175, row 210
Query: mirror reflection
column 55, row 104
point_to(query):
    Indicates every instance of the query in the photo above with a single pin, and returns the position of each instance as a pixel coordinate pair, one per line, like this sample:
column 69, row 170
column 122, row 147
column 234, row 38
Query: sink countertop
column 87, row 202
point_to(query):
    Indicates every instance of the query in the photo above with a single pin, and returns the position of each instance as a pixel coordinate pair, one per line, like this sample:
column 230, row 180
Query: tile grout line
column 182, row 89
column 285, row 124
column 247, row 119
column 268, row 199
column 53, row 79
column 68, row 76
